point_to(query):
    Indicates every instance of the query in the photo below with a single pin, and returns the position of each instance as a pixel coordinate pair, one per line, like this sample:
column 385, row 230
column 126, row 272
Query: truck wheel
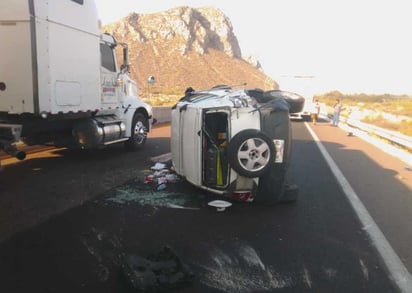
column 272, row 184
column 250, row 153
column 140, row 128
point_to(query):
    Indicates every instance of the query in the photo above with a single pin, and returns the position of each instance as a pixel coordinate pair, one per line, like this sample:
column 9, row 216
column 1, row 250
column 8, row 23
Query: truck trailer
column 60, row 81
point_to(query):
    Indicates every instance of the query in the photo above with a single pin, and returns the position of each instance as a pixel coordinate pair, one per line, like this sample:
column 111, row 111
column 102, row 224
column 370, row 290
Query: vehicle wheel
column 272, row 184
column 250, row 153
column 140, row 128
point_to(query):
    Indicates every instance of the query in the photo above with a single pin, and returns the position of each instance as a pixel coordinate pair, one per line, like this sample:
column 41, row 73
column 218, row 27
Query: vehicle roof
column 219, row 96
column 252, row 98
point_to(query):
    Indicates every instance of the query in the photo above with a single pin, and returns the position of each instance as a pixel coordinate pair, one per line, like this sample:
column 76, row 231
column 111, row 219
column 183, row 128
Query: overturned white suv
column 236, row 143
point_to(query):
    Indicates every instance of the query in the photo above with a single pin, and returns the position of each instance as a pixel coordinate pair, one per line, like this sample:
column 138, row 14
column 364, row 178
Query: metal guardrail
column 392, row 136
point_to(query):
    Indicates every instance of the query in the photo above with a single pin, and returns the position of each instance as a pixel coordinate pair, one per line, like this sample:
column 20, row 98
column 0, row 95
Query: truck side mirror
column 125, row 67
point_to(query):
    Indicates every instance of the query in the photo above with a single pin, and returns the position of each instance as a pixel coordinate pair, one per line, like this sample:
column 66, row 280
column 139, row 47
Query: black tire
column 250, row 152
column 271, row 187
column 140, row 128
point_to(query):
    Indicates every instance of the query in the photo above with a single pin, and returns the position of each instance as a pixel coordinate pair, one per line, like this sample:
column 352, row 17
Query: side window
column 107, row 57
column 78, row 1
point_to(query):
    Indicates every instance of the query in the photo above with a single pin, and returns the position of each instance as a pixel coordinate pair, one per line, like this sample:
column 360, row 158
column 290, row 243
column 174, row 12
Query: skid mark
column 223, row 260
column 251, row 257
column 240, row 271
column 306, row 277
column 364, row 269
column 93, row 243
column 330, row 273
column 92, row 250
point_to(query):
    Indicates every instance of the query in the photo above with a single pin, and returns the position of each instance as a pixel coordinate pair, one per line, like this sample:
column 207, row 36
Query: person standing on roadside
column 337, row 108
column 315, row 112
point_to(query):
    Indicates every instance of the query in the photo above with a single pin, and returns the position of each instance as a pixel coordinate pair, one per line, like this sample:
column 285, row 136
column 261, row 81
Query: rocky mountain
column 184, row 47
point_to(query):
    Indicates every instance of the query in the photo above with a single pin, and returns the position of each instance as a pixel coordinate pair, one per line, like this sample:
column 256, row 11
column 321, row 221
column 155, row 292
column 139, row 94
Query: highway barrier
column 391, row 136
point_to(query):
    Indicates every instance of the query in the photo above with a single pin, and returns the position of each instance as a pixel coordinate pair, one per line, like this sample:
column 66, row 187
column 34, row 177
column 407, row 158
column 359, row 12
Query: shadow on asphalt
column 315, row 245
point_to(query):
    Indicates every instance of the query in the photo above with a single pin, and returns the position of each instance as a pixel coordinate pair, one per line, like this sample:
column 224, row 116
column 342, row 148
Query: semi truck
column 60, row 81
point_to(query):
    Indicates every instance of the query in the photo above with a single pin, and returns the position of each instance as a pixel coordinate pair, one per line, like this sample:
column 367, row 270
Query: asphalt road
column 68, row 220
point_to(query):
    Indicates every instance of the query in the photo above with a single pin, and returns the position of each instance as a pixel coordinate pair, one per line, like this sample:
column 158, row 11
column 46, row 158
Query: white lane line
column 396, row 269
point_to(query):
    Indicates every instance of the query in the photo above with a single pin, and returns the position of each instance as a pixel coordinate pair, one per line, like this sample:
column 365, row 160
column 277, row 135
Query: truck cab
column 60, row 81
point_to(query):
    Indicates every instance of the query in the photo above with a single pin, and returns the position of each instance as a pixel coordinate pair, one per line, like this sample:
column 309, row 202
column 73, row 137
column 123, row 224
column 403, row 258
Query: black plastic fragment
column 159, row 272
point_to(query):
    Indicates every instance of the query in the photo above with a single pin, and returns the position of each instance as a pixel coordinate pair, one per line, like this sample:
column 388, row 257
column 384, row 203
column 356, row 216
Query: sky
column 312, row 46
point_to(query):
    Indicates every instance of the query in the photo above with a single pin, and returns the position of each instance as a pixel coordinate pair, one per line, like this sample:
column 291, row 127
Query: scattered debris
column 172, row 178
column 162, row 271
column 158, row 166
column 220, row 205
column 153, row 190
column 407, row 168
column 162, row 181
column 161, row 176
column 175, row 206
column 146, row 197
column 148, row 179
